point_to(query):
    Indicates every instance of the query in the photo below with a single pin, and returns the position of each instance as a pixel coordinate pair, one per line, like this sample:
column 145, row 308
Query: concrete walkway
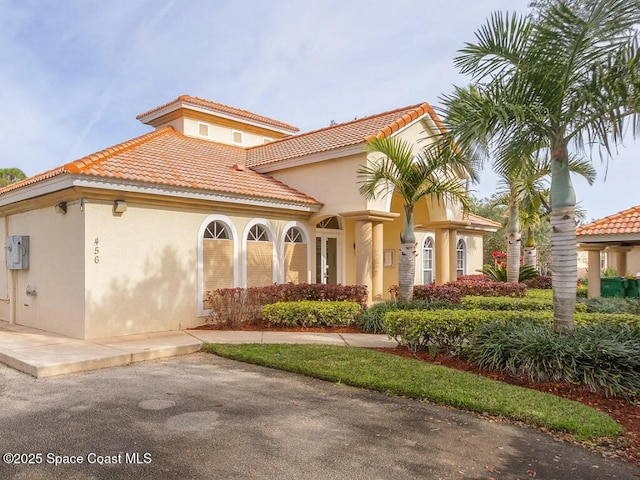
column 45, row 354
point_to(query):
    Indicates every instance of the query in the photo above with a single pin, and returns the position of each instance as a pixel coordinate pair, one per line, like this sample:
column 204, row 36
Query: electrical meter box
column 17, row 252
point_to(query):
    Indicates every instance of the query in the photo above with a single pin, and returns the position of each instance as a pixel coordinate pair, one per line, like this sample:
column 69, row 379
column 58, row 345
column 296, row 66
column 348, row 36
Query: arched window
column 295, row 256
column 259, row 253
column 427, row 260
column 217, row 257
column 217, row 230
column 258, row 233
column 294, row 235
column 330, row 223
column 461, row 257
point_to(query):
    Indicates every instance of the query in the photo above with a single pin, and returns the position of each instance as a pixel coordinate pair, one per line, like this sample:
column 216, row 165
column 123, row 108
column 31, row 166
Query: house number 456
column 96, row 250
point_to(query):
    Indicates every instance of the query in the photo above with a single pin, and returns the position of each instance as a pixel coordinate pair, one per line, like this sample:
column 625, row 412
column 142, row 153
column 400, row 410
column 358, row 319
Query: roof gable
column 337, row 136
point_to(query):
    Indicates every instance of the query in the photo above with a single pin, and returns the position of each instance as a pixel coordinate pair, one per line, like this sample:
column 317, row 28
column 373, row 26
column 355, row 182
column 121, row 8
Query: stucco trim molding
column 370, row 215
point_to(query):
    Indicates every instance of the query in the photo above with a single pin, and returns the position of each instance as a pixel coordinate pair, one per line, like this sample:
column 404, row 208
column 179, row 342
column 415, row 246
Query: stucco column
column 377, row 259
column 593, row 269
column 453, row 255
column 364, row 251
column 443, row 257
column 621, row 259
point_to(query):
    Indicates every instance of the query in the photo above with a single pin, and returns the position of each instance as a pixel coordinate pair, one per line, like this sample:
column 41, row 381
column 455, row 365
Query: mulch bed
column 623, row 411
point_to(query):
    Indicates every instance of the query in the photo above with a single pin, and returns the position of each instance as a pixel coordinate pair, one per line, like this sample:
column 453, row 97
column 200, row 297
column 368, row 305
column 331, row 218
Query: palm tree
column 413, row 177
column 567, row 76
column 524, row 192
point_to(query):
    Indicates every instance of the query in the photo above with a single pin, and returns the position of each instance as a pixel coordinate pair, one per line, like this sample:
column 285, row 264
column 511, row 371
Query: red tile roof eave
column 205, row 191
column 33, row 180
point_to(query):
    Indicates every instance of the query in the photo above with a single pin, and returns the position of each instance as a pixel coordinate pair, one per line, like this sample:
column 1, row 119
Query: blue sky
column 74, row 74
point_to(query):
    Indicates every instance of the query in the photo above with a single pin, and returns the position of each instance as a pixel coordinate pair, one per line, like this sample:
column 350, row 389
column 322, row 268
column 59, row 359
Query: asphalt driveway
column 203, row 417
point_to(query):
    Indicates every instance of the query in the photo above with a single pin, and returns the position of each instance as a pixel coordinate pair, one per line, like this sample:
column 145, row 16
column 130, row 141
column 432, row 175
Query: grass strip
column 395, row 375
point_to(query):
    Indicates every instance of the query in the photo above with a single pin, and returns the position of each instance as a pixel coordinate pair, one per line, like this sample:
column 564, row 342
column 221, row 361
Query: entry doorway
column 327, row 258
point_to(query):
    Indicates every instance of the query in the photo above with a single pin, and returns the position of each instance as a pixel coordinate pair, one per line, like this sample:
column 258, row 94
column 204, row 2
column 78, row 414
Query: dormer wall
column 216, row 127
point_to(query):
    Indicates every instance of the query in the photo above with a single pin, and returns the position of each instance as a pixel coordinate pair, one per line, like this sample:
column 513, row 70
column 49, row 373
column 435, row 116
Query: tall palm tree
column 523, row 191
column 414, row 177
column 569, row 76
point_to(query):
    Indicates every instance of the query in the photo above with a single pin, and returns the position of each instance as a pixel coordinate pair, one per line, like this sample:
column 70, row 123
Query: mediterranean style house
column 129, row 239
column 612, row 241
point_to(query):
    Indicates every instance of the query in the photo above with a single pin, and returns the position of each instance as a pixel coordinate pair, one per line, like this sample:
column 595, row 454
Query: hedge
column 311, row 313
column 508, row 303
column 454, row 291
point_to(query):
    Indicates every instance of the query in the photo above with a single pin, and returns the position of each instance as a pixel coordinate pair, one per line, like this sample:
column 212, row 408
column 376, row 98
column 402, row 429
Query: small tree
column 414, row 177
column 10, row 175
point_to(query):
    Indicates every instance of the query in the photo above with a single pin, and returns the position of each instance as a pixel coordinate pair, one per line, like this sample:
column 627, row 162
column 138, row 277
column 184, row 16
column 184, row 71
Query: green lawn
column 395, row 375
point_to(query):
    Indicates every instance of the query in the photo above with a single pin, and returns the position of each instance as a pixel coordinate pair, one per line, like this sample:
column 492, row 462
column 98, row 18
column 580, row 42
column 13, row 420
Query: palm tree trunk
column 406, row 271
column 530, row 250
column 407, row 258
column 564, row 256
column 514, row 239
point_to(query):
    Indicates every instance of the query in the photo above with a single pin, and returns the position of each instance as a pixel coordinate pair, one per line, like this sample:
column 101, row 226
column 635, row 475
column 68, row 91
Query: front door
column 327, row 258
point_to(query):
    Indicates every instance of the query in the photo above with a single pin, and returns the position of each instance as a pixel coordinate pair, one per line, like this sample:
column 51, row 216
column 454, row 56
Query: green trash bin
column 613, row 286
column 633, row 287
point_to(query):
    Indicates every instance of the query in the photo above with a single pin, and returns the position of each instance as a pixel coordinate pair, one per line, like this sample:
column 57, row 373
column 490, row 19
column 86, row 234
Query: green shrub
column 446, row 330
column 612, row 305
column 372, row 319
column 540, row 293
column 605, row 357
column 311, row 313
column 509, row 303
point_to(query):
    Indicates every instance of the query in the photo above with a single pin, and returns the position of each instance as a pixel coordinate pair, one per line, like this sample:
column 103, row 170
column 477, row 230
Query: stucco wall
column 56, row 270
column 333, row 182
column 146, row 278
column 223, row 134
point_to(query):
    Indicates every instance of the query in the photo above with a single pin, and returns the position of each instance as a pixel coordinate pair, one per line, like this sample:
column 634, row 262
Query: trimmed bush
column 446, row 330
column 605, row 357
column 309, row 313
column 237, row 306
column 508, row 303
column 372, row 319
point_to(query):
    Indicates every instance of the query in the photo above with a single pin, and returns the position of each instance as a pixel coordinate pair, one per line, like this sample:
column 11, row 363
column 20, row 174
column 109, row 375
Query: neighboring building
column 131, row 238
column 613, row 241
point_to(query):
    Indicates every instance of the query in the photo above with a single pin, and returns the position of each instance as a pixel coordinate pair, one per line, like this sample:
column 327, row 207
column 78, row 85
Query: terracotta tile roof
column 219, row 107
column 165, row 157
column 342, row 135
column 626, row 221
